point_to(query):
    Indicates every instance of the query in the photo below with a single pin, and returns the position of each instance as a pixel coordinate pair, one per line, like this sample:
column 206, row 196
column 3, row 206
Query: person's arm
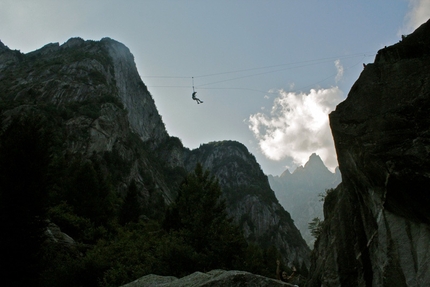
column 292, row 274
column 278, row 269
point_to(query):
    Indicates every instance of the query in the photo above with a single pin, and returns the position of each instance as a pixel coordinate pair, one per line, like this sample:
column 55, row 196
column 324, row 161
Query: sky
column 268, row 71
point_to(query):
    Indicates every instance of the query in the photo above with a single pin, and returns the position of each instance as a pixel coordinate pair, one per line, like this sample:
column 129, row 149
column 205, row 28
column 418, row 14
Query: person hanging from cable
column 193, row 96
column 196, row 99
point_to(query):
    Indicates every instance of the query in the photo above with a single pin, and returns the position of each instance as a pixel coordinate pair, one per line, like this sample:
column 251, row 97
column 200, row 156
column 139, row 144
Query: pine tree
column 200, row 217
column 89, row 191
column 130, row 210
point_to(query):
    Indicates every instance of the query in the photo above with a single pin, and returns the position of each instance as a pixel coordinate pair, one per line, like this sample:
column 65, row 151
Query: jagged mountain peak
column 313, row 167
column 314, row 161
column 285, row 174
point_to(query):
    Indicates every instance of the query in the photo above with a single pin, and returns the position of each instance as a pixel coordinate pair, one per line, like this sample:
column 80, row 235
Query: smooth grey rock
column 214, row 278
column 54, row 235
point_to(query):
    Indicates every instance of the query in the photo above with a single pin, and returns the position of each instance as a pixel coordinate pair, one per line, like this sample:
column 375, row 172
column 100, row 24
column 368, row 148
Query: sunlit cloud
column 339, row 69
column 419, row 13
column 298, row 126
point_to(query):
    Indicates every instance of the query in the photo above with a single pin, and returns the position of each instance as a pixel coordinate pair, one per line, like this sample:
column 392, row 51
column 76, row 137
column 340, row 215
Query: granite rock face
column 79, row 71
column 214, row 278
column 97, row 97
column 377, row 221
column 142, row 112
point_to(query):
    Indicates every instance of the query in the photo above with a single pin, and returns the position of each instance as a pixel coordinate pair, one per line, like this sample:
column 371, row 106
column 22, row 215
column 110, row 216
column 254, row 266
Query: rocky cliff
column 376, row 230
column 93, row 95
column 301, row 192
column 80, row 71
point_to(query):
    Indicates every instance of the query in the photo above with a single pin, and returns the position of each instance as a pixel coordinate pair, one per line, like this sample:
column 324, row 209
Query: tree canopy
column 199, row 217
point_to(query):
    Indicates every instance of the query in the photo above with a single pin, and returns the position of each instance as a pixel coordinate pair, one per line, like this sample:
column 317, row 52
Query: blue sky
column 268, row 71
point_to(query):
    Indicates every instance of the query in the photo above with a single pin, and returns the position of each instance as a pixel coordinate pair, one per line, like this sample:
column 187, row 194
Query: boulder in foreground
column 213, row 278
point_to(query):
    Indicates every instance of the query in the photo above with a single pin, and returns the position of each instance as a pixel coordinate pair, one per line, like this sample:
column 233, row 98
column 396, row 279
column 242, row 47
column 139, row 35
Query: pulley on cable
column 193, row 96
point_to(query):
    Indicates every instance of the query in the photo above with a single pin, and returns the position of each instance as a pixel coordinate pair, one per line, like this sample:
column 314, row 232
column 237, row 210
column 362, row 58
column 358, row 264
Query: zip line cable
column 193, row 85
column 318, row 61
column 292, row 65
column 302, row 88
column 325, row 60
column 253, row 75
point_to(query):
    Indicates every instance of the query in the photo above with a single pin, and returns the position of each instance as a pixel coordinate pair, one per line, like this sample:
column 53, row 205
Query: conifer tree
column 130, row 210
column 200, row 218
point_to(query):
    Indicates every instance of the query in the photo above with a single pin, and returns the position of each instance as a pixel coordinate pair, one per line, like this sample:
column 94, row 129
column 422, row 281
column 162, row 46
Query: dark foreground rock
column 213, row 278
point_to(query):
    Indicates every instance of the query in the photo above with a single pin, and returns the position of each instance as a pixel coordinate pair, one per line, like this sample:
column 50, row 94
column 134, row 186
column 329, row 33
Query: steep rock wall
column 377, row 222
column 142, row 112
column 80, row 71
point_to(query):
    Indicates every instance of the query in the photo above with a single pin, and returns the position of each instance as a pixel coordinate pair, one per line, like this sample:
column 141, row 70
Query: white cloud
column 339, row 69
column 419, row 13
column 298, row 126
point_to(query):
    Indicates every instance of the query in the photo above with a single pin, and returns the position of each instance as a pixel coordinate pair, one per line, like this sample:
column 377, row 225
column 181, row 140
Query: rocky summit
column 376, row 229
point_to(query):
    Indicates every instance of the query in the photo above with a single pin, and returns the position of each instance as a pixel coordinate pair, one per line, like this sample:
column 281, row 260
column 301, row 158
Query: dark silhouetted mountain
column 107, row 122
